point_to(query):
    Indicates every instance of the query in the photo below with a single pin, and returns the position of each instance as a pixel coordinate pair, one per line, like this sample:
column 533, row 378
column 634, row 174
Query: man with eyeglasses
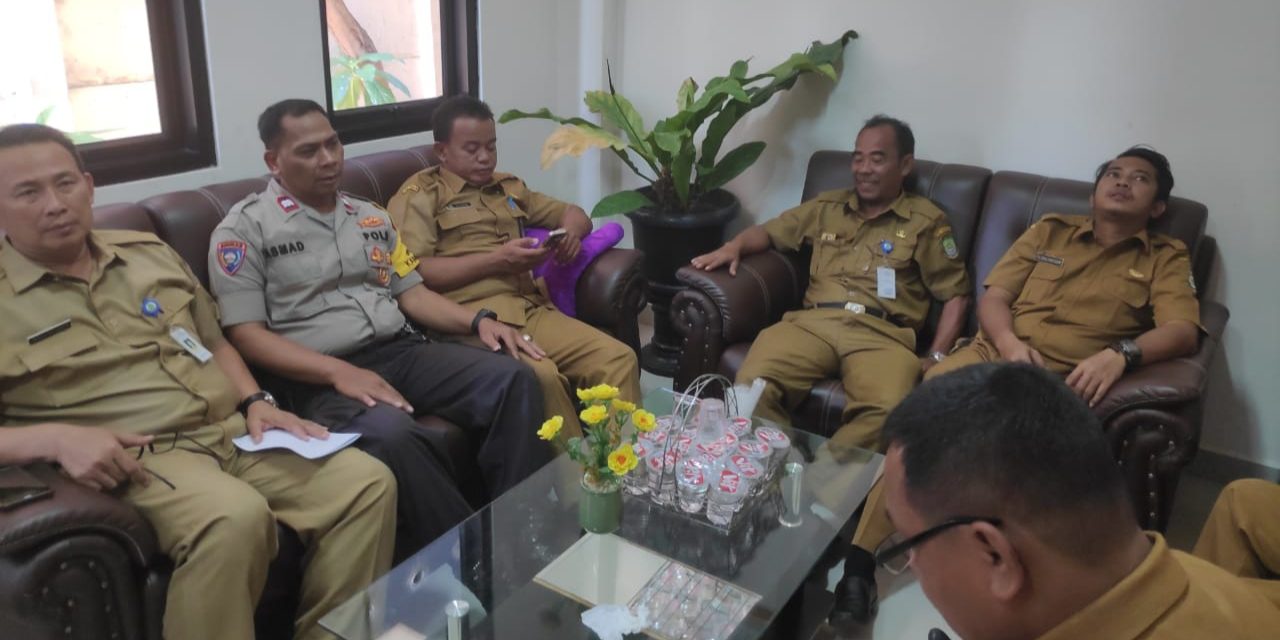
column 113, row 367
column 1015, row 519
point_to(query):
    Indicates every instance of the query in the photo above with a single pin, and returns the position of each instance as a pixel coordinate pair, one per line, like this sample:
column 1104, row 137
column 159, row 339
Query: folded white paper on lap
column 309, row 449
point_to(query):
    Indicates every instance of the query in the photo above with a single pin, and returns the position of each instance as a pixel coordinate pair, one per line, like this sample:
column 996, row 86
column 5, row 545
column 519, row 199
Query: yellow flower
column 551, row 428
column 622, row 460
column 623, row 406
column 644, row 420
column 594, row 414
column 603, row 392
column 586, row 395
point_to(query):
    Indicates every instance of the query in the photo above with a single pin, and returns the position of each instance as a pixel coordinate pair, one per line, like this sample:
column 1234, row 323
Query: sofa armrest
column 1173, row 381
column 717, row 309
column 74, row 509
column 611, row 294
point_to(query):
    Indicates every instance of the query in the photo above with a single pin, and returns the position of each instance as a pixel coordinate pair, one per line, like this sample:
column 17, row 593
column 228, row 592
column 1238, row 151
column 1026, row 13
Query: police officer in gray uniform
column 314, row 287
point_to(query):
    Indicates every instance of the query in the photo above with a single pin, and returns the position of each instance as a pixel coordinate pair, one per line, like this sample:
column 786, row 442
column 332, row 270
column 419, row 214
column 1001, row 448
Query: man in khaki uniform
column 466, row 223
column 880, row 257
column 1045, row 543
column 1087, row 297
column 110, row 344
column 1242, row 534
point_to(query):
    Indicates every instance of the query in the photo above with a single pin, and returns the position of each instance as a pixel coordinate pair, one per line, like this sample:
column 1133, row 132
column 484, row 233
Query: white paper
column 309, row 449
column 886, row 283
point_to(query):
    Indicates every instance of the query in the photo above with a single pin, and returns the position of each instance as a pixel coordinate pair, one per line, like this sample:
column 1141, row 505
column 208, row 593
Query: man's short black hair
column 461, row 106
column 901, row 132
column 1012, row 441
column 271, row 122
column 1164, row 174
column 19, row 135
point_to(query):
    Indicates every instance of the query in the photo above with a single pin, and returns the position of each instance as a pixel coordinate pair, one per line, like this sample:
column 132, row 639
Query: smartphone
column 554, row 239
column 19, row 487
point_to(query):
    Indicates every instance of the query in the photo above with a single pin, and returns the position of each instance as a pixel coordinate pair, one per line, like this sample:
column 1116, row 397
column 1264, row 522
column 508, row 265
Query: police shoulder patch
column 230, row 255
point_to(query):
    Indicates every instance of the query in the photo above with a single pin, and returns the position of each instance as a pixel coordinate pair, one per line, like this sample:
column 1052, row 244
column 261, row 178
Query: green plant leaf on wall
column 681, row 170
column 619, row 112
column 621, row 202
column 684, row 97
column 732, row 165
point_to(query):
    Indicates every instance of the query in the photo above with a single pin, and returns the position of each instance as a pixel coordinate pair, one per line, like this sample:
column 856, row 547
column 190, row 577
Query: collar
column 453, row 183
column 1129, row 608
column 901, row 206
column 24, row 273
column 1143, row 236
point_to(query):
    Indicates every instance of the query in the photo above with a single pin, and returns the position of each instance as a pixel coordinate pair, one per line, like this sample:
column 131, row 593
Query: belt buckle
column 854, row 307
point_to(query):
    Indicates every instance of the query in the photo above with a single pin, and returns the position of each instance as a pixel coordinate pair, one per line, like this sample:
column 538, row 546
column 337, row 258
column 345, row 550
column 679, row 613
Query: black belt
column 854, row 307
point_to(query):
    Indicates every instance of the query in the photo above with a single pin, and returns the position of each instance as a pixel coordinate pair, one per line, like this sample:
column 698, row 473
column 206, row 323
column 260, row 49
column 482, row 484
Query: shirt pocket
column 462, row 228
column 53, row 379
column 1130, row 298
column 1041, row 282
column 827, row 250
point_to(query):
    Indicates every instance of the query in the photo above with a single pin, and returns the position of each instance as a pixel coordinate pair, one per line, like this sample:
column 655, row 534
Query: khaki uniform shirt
column 1073, row 297
column 913, row 239
column 1173, row 595
column 100, row 353
column 440, row 215
column 325, row 281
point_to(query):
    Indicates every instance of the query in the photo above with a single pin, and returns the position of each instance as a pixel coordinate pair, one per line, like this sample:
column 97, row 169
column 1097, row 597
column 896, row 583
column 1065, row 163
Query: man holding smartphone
column 466, row 223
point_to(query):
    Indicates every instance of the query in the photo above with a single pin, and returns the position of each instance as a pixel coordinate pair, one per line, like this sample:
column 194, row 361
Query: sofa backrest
column 186, row 219
column 1015, row 200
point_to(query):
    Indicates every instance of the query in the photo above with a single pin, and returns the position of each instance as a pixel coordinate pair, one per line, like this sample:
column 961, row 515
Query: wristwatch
column 937, row 356
column 1130, row 350
column 481, row 315
column 265, row 396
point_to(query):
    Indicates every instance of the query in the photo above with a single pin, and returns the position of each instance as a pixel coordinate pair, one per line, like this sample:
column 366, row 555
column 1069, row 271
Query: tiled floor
column 906, row 613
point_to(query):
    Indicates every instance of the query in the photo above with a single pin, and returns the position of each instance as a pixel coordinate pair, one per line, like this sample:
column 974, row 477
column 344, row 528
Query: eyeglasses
column 892, row 553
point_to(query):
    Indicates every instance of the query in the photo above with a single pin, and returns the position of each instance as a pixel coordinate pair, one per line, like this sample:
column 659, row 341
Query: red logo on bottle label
column 747, row 466
column 729, row 481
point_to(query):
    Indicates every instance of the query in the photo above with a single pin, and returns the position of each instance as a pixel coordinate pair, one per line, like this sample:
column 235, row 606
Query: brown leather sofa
column 1152, row 415
column 82, row 564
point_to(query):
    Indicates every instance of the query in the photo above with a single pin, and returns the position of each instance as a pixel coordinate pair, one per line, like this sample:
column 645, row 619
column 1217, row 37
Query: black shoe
column 856, row 596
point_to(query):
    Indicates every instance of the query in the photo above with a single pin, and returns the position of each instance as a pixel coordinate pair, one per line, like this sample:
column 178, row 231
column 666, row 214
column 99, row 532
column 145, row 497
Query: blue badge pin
column 151, row 307
column 511, row 202
column 886, row 247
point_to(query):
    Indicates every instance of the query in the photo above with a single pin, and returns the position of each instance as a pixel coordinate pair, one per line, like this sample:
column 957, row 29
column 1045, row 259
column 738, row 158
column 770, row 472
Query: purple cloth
column 562, row 279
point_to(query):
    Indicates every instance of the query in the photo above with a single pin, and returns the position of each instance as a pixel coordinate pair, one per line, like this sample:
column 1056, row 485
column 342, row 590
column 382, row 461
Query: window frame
column 460, row 66
column 181, row 66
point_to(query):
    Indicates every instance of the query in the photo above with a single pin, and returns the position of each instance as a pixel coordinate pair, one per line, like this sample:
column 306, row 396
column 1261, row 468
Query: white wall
column 261, row 52
column 1046, row 87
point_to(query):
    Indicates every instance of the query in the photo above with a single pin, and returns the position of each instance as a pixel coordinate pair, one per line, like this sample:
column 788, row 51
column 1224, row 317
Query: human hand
column 569, row 246
column 1014, row 350
column 1093, row 377
column 96, row 457
column 497, row 335
column 263, row 416
column 728, row 254
column 520, row 255
column 367, row 387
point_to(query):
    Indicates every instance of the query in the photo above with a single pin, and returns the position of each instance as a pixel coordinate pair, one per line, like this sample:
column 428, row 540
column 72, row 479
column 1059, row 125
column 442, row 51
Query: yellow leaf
column 574, row 140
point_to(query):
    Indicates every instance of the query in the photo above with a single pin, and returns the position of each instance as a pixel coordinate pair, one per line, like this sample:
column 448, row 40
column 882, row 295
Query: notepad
column 309, row 449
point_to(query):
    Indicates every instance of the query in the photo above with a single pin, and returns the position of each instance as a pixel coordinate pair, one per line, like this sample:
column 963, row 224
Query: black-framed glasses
column 170, row 446
column 892, row 552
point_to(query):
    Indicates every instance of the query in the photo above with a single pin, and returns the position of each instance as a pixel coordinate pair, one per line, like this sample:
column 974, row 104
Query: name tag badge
column 192, row 346
column 49, row 332
column 1048, row 259
column 886, row 283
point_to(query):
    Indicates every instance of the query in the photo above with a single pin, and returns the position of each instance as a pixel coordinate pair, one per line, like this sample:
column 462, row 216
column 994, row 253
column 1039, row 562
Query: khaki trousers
column 217, row 523
column 578, row 356
column 1242, row 534
column 873, row 358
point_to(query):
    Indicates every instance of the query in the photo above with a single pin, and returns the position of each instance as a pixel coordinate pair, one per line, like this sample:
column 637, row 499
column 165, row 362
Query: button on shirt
column 913, row 238
column 327, row 281
column 440, row 214
column 113, row 362
column 1073, row 297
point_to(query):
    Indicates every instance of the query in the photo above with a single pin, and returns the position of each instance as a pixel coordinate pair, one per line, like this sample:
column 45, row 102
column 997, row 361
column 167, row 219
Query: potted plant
column 604, row 451
column 683, row 210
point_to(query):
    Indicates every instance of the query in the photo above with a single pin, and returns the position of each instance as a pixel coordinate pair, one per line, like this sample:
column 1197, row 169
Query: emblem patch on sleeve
column 231, row 256
column 370, row 222
column 949, row 247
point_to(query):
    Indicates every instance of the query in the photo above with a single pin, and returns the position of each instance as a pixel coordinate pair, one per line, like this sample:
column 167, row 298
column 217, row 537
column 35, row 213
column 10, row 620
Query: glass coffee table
column 490, row 560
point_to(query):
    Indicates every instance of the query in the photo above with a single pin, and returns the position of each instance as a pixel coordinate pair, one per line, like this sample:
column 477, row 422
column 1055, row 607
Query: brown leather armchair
column 83, row 564
column 1152, row 416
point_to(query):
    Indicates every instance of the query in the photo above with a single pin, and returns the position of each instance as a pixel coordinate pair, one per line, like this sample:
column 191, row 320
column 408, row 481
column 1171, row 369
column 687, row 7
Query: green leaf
column 619, row 112
column 681, row 170
column 341, row 87
column 670, row 141
column 719, row 128
column 377, row 56
column 621, row 202
column 733, row 164
column 684, row 97
column 43, row 118
column 380, row 94
column 395, row 82
column 738, row 70
column 353, row 95
column 368, row 74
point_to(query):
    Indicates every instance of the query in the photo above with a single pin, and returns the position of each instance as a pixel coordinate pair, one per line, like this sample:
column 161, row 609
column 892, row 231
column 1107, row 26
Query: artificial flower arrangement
column 604, row 450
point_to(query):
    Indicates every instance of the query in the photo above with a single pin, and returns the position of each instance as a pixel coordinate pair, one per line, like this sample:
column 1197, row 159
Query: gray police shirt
column 325, row 281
